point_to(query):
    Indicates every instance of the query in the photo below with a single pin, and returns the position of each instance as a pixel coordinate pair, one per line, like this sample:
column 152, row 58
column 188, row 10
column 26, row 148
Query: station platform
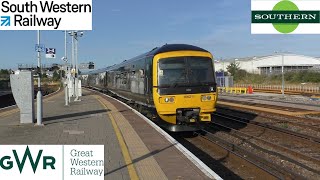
column 133, row 148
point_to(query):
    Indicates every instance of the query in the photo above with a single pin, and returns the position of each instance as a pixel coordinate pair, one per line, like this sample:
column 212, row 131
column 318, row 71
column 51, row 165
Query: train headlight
column 165, row 100
column 206, row 98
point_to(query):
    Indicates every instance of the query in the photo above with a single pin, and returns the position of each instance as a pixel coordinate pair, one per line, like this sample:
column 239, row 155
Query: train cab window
column 201, row 70
column 172, row 70
column 185, row 71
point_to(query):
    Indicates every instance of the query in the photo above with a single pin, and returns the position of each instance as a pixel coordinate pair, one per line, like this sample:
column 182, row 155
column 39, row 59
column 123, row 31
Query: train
column 175, row 81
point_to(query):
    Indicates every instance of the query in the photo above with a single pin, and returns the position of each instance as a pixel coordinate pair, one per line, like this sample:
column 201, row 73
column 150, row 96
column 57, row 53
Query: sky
column 123, row 29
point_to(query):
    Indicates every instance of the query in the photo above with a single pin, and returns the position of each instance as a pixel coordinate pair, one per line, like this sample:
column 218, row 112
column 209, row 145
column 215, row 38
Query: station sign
column 45, row 15
column 39, row 48
column 285, row 17
column 50, row 53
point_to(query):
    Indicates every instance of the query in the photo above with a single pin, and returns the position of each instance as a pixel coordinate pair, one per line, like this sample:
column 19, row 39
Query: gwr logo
column 6, row 163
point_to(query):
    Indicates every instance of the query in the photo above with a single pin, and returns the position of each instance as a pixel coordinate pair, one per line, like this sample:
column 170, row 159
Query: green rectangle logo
column 285, row 17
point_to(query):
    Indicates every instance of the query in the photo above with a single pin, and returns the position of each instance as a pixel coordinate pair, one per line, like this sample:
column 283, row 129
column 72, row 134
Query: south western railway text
column 45, row 6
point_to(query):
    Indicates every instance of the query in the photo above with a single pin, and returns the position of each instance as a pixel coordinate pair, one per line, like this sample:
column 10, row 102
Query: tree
column 44, row 75
column 233, row 68
column 241, row 75
column 63, row 73
column 4, row 74
column 55, row 76
column 4, row 71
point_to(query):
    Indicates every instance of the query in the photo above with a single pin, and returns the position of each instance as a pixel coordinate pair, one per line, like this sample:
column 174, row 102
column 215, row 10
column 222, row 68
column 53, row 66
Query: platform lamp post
column 75, row 35
column 223, row 78
column 235, row 64
column 254, row 58
column 72, row 74
column 39, row 94
column 282, row 72
column 65, row 59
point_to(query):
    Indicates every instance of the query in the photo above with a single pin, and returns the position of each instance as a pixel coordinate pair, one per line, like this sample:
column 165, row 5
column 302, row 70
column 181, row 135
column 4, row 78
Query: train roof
column 175, row 47
column 163, row 49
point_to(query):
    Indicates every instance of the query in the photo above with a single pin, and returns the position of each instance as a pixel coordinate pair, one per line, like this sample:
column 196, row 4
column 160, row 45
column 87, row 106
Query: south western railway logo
column 285, row 17
column 45, row 14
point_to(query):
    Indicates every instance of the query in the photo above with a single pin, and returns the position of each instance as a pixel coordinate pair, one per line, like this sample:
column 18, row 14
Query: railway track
column 267, row 126
column 297, row 124
column 273, row 99
column 269, row 106
column 269, row 169
column 252, row 157
column 289, row 149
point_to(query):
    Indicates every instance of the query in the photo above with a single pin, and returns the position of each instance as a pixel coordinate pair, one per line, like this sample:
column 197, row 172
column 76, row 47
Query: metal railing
column 295, row 88
column 232, row 90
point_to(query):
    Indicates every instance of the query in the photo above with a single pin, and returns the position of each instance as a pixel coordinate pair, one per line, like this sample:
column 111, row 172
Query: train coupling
column 186, row 116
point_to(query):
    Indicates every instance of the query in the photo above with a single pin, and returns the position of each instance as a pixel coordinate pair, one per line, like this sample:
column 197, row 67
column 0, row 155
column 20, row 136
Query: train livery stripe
column 125, row 152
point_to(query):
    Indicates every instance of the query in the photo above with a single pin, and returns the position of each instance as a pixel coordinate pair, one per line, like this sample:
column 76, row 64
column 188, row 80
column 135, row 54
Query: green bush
column 290, row 77
column 303, row 77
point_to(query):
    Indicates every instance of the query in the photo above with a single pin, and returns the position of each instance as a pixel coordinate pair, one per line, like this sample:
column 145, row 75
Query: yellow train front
column 176, row 81
column 184, row 88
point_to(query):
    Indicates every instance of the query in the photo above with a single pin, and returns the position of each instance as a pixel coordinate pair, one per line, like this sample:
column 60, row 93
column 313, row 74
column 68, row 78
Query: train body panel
column 177, row 80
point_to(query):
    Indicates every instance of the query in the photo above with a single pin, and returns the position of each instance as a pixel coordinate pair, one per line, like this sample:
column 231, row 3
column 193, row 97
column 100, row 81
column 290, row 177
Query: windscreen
column 185, row 71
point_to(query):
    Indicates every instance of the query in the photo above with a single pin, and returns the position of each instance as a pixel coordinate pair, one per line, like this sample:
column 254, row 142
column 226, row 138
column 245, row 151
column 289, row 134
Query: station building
column 272, row 64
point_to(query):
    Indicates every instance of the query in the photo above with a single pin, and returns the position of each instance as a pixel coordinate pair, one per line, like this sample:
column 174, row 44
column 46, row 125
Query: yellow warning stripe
column 276, row 111
column 125, row 152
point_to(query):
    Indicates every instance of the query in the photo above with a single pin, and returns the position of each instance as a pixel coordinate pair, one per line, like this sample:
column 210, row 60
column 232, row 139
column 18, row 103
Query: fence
column 232, row 90
column 295, row 88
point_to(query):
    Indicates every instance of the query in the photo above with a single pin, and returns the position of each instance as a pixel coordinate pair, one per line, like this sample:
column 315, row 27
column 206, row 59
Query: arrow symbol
column 5, row 21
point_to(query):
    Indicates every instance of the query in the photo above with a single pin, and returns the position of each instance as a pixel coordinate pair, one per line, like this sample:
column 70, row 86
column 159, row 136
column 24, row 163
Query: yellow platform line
column 125, row 152
column 276, row 111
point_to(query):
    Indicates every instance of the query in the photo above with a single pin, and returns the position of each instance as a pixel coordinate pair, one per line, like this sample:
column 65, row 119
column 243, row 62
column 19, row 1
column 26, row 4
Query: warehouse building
column 272, row 64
